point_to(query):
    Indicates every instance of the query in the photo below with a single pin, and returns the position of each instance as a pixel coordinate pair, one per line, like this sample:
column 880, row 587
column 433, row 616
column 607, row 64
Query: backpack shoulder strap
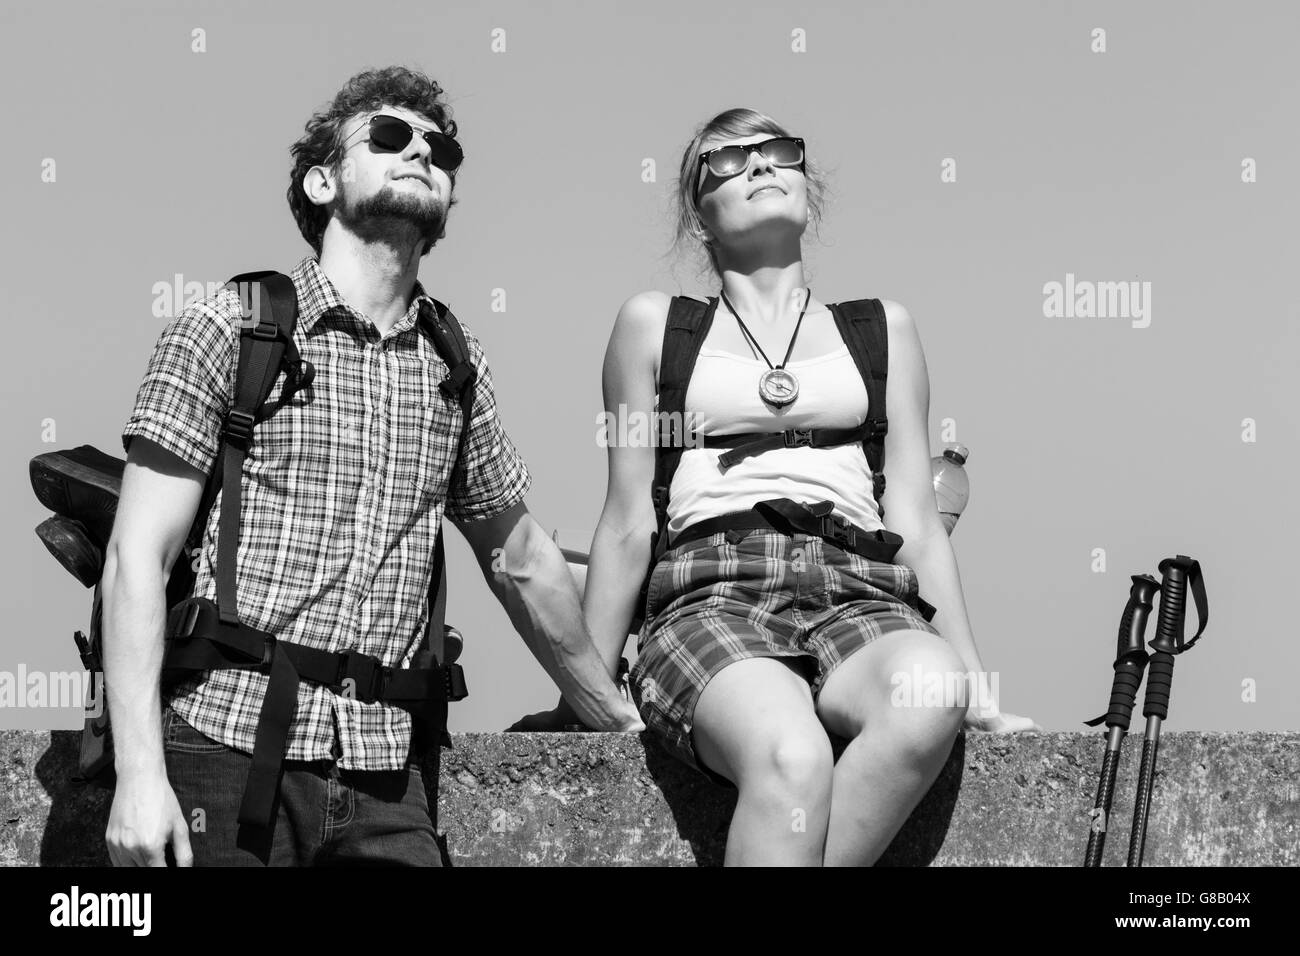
column 862, row 325
column 685, row 330
column 263, row 344
column 448, row 337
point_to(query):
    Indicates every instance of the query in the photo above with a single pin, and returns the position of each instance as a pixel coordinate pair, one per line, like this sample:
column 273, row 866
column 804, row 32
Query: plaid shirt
column 343, row 491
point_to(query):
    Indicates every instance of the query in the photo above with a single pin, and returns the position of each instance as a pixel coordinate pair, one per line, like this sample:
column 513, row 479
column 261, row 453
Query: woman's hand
column 997, row 722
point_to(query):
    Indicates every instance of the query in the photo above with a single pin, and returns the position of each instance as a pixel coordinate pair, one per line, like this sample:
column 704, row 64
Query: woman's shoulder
column 896, row 315
column 642, row 317
column 646, row 307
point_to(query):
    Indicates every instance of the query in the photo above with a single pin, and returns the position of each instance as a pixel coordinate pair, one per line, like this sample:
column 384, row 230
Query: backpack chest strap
column 745, row 444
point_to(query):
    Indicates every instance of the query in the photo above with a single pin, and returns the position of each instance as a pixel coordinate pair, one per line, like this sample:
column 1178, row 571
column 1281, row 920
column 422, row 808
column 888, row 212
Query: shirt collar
column 317, row 295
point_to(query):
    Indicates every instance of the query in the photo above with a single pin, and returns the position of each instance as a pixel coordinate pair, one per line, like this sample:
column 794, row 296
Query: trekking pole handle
column 1133, row 624
column 1130, row 653
column 1168, row 640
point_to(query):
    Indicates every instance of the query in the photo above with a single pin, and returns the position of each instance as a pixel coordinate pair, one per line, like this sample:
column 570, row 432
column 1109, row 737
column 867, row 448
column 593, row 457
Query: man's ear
column 321, row 185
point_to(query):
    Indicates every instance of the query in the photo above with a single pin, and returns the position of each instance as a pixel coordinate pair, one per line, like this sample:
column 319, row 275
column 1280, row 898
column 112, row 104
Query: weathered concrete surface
column 603, row 799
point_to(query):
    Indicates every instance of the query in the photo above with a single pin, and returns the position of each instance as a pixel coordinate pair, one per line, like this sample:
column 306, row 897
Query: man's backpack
column 81, row 486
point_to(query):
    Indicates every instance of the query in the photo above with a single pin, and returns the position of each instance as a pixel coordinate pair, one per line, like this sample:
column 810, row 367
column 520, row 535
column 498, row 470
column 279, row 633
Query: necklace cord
column 749, row 336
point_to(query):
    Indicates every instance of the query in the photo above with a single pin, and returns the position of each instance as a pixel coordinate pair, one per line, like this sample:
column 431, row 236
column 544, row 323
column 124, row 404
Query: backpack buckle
column 799, row 438
column 239, row 428
column 836, row 528
column 366, row 673
column 879, row 427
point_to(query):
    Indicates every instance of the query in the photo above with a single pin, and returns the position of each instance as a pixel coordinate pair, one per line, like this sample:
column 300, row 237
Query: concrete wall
column 609, row 799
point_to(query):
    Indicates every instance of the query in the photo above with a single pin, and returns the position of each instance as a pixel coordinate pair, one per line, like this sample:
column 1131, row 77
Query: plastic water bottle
column 951, row 486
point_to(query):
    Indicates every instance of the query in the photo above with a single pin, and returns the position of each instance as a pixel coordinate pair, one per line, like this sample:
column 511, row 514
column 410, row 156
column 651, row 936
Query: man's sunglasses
column 393, row 134
column 727, row 161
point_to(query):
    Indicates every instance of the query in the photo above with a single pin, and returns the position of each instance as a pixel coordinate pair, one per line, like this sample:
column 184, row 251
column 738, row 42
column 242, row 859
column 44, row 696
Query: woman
column 758, row 643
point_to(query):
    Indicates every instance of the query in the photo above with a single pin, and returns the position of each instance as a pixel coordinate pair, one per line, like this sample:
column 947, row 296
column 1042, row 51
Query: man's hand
column 145, row 818
column 613, row 714
column 531, row 579
column 563, row 718
column 998, row 722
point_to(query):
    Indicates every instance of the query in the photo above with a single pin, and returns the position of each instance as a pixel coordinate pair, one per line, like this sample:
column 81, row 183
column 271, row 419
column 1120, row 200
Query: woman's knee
column 929, row 690
column 792, row 761
column 798, row 758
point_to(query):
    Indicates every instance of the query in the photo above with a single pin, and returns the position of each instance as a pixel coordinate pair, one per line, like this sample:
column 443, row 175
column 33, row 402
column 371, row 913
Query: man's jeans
column 323, row 816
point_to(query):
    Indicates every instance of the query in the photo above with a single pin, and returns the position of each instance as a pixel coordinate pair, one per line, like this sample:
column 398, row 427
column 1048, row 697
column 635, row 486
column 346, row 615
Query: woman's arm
column 620, row 549
column 910, row 511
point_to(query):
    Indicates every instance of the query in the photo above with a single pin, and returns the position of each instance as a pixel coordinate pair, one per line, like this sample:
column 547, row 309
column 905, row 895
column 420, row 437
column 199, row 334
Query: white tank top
column 723, row 398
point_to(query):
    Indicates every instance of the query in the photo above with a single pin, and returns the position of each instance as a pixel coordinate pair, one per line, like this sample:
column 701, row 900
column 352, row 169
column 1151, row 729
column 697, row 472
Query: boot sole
column 71, row 546
column 79, row 491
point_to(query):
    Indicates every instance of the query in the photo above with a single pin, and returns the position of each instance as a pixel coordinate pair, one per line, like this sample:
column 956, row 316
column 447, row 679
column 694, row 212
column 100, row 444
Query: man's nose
column 418, row 147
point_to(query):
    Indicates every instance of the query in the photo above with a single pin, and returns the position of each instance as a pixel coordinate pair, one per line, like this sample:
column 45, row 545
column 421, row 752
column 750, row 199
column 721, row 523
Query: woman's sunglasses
column 393, row 134
column 727, row 161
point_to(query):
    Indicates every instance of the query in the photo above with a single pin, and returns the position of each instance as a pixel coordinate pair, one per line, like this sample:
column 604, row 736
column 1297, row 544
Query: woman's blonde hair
column 731, row 124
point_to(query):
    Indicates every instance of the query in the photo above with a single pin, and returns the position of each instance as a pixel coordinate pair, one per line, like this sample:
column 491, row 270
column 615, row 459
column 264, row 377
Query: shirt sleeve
column 494, row 477
column 188, row 383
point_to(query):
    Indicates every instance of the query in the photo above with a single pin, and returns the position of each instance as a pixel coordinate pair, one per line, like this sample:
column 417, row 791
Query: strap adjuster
column 366, row 673
column 798, row 438
column 239, row 428
column 455, row 678
column 267, row 330
column 457, row 378
column 190, row 620
column 837, row 528
column 878, row 427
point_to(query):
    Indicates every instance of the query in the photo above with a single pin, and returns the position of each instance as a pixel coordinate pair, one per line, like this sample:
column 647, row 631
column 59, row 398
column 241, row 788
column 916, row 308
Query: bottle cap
column 957, row 453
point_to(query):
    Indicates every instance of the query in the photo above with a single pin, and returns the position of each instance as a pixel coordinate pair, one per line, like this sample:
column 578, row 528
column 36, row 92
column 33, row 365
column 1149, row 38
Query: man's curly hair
column 367, row 91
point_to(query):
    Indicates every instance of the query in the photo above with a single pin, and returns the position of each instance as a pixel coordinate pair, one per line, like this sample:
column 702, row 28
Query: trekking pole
column 1178, row 572
column 1130, row 661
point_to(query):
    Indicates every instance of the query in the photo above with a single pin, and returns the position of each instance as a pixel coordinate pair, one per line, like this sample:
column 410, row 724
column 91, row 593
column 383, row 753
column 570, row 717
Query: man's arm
column 172, row 441
column 160, row 495
column 531, row 579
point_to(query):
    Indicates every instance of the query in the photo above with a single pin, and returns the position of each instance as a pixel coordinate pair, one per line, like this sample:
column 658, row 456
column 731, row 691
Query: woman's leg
column 754, row 724
column 894, row 752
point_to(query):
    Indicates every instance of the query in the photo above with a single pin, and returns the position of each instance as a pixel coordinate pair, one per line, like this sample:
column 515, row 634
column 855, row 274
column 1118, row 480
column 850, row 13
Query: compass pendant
column 778, row 387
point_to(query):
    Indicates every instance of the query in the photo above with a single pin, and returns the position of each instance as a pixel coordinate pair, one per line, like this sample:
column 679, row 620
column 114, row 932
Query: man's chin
column 396, row 218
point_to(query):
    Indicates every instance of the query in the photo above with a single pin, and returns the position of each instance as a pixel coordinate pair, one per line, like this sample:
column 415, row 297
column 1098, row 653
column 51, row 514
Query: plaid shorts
column 742, row 594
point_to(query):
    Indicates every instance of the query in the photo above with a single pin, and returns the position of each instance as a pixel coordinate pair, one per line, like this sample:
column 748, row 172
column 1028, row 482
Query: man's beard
column 393, row 214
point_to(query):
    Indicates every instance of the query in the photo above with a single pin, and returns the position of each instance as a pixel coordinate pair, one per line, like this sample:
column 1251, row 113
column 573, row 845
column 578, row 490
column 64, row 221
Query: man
column 343, row 492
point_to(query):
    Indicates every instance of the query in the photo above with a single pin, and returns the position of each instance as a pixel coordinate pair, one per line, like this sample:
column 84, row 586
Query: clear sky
column 1167, row 431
